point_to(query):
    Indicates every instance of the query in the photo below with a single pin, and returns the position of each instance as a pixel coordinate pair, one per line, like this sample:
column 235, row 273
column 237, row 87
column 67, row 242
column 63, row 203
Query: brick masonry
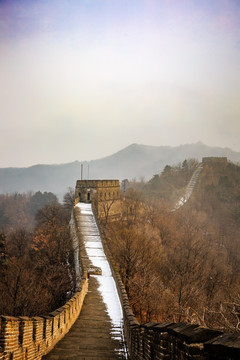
column 103, row 194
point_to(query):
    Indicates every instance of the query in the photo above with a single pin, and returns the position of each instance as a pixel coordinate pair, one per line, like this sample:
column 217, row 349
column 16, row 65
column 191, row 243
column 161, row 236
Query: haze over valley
column 133, row 162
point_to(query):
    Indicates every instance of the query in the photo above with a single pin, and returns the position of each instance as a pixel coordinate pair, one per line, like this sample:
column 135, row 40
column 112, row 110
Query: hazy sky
column 81, row 79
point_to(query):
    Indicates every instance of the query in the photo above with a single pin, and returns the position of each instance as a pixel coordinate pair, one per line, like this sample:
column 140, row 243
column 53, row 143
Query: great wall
column 33, row 338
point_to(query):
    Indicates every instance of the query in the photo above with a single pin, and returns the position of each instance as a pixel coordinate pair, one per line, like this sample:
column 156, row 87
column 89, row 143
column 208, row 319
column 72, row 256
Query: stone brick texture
column 104, row 196
column 31, row 338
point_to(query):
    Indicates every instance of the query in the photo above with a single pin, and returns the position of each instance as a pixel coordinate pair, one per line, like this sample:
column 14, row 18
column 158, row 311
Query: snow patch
column 107, row 286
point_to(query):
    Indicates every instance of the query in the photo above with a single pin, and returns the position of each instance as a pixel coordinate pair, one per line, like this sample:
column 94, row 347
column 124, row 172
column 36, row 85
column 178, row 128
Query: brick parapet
column 32, row 337
column 97, row 183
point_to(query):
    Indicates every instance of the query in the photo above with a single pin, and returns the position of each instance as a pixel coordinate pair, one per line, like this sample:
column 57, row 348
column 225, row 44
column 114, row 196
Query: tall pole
column 88, row 171
column 81, row 171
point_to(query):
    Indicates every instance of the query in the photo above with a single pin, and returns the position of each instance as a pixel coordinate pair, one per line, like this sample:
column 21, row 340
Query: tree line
column 182, row 265
column 36, row 255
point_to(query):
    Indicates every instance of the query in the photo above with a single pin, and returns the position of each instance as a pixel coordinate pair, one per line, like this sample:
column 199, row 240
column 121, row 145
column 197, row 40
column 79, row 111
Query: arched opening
column 89, row 196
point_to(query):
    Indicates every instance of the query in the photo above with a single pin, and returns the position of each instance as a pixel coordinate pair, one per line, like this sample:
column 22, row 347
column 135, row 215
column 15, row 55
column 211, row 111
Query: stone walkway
column 96, row 334
column 90, row 336
column 189, row 188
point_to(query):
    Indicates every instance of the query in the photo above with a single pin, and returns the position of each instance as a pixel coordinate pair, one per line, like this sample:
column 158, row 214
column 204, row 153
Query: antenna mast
column 81, row 171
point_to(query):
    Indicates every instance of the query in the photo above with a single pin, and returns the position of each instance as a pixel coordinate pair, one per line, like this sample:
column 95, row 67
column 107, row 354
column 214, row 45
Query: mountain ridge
column 133, row 161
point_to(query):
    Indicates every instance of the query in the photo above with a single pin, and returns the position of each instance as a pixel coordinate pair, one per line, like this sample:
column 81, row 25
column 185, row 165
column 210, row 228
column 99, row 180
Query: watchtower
column 103, row 194
column 214, row 159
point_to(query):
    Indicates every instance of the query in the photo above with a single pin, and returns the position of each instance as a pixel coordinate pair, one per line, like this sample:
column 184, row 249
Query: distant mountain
column 134, row 161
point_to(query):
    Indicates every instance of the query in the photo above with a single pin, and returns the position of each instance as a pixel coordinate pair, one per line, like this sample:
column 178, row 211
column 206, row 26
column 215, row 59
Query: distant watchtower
column 214, row 159
column 103, row 194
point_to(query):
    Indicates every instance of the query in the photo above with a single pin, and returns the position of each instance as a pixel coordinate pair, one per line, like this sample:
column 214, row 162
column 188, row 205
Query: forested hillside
column 19, row 210
column 218, row 195
column 172, row 181
column 36, row 255
column 182, row 265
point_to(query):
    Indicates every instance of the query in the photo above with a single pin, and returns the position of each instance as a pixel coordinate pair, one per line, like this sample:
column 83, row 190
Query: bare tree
column 105, row 207
column 69, row 199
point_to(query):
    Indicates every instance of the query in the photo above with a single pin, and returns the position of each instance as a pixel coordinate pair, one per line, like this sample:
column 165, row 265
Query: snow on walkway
column 107, row 287
column 189, row 188
column 97, row 334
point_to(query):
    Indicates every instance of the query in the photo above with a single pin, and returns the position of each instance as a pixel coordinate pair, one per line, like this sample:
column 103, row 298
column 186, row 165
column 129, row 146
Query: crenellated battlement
column 96, row 190
column 31, row 338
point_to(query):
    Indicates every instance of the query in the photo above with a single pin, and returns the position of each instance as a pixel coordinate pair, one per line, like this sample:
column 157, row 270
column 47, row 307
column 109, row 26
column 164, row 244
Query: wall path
column 98, row 332
column 189, row 188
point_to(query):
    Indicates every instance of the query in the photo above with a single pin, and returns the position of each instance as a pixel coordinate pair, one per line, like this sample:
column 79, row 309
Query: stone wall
column 104, row 196
column 31, row 338
column 89, row 190
column 214, row 159
column 171, row 341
